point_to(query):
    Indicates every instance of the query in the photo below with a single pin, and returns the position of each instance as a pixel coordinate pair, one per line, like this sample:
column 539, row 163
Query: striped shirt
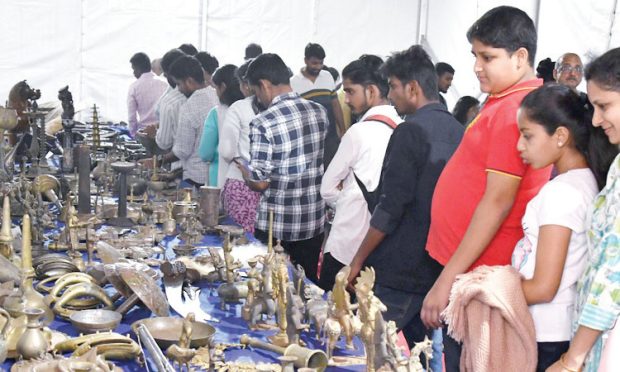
column 141, row 100
column 187, row 138
column 286, row 149
column 168, row 110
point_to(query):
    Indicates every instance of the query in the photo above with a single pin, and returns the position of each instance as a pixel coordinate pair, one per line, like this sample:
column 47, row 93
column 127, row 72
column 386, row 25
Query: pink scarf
column 488, row 314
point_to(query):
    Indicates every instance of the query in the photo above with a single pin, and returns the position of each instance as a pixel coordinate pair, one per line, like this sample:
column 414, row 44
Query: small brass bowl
column 167, row 331
column 184, row 249
column 94, row 320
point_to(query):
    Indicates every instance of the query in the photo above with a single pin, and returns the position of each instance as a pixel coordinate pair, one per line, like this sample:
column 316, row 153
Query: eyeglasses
column 569, row 69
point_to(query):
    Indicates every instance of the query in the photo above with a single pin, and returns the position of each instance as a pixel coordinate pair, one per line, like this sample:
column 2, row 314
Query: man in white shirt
column 167, row 111
column 357, row 164
column 189, row 77
column 315, row 84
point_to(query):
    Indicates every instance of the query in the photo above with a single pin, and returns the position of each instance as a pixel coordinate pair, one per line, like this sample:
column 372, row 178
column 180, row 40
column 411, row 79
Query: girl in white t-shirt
column 555, row 129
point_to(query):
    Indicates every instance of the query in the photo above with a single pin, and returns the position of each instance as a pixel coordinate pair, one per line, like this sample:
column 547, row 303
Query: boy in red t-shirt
column 482, row 192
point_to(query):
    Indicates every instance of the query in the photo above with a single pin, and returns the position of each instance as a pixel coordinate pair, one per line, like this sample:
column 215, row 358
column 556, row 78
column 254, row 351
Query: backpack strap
column 371, row 197
column 383, row 119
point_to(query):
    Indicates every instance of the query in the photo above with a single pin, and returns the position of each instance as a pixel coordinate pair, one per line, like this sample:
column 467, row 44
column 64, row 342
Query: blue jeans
column 404, row 309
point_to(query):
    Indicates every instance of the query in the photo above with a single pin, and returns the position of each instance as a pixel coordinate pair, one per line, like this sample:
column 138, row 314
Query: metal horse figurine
column 264, row 302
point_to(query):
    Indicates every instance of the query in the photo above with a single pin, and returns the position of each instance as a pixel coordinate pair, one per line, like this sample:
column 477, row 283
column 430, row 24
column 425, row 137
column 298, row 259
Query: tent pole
column 537, row 14
column 422, row 21
column 204, row 14
column 81, row 68
column 611, row 27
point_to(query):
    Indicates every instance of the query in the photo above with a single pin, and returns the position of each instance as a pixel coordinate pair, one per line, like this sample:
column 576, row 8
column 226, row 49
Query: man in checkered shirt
column 286, row 163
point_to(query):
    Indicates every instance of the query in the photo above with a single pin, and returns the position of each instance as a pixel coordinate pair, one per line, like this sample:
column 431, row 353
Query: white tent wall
column 345, row 28
column 86, row 44
column 41, row 43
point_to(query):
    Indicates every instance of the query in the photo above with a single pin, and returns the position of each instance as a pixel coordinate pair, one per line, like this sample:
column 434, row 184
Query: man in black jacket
column 416, row 154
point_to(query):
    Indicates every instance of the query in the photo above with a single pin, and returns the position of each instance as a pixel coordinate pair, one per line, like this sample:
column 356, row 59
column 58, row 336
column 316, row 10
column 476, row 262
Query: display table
column 230, row 326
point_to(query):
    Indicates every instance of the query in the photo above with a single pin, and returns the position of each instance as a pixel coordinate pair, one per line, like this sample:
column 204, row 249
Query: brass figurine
column 369, row 312
column 182, row 354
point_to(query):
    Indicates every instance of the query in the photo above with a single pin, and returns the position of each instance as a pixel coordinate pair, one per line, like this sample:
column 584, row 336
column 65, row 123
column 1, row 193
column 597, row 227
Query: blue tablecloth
column 228, row 330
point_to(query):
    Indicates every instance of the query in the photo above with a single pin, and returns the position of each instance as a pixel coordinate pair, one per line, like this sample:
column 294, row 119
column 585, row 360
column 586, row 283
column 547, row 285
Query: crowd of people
column 528, row 178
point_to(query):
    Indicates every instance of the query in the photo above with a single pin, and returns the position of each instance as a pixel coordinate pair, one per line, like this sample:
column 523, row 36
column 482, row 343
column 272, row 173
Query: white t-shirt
column 302, row 85
column 563, row 201
column 361, row 150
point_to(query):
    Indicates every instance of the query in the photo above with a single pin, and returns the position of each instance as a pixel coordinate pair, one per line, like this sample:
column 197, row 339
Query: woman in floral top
column 598, row 302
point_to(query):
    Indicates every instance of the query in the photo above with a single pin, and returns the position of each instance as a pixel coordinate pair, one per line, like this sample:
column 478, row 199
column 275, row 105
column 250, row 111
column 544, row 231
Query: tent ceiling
column 86, row 44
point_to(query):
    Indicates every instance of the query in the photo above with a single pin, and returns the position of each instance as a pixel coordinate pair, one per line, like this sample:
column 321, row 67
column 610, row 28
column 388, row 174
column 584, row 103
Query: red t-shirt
column 489, row 145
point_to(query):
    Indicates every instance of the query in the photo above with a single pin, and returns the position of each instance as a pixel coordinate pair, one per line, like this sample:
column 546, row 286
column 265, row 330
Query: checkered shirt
column 286, row 149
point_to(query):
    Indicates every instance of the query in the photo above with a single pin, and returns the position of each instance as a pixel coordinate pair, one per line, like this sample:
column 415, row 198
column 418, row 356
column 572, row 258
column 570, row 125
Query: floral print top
column 598, row 301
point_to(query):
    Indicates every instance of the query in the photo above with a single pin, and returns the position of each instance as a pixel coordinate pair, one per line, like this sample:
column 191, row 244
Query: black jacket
column 415, row 157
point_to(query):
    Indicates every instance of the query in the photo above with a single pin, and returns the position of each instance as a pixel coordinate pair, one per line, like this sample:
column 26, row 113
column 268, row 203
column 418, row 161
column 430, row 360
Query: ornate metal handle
column 80, row 290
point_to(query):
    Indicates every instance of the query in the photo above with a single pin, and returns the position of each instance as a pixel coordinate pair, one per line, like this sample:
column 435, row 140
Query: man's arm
column 339, row 168
column 258, row 186
column 132, row 108
column 492, row 210
column 338, row 116
column 257, row 177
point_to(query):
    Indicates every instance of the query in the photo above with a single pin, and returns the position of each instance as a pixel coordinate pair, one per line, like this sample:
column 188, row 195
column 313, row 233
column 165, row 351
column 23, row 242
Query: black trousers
column 329, row 269
column 451, row 352
column 549, row 352
column 302, row 252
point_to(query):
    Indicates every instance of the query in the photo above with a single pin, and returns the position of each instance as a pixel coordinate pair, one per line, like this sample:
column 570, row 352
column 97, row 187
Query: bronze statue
column 182, row 354
column 343, row 310
column 369, row 312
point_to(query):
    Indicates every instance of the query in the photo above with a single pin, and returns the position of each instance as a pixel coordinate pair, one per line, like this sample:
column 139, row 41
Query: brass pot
column 33, row 343
column 3, row 344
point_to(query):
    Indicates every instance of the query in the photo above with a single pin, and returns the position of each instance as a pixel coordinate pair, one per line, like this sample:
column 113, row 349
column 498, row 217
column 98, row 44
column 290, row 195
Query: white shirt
column 189, row 132
column 361, row 150
column 563, row 201
column 235, row 135
column 301, row 84
column 167, row 112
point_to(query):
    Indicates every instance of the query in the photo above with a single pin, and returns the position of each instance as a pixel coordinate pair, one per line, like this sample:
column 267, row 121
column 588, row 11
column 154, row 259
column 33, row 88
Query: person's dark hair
column 605, row 70
column 367, row 71
column 187, row 67
column 141, row 62
column 332, row 71
column 226, row 75
column 414, row 64
column 544, row 70
column 168, row 59
column 243, row 70
column 553, row 106
column 442, row 68
column 208, row 62
column 253, row 50
column 462, row 106
column 270, row 67
column 314, row 50
column 188, row 49
column 508, row 28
